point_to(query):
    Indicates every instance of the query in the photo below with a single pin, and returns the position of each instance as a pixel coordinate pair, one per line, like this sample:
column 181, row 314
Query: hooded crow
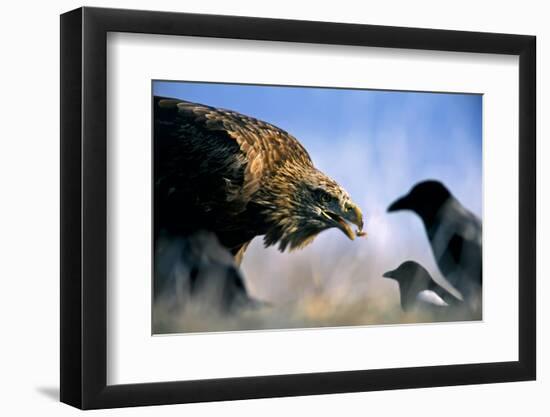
column 418, row 290
column 454, row 234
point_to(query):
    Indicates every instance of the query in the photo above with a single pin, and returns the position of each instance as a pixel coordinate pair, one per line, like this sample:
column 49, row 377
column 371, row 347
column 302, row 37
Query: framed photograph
column 257, row 208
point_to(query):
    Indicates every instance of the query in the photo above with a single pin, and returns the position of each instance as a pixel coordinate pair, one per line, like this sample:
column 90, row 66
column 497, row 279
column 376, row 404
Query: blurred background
column 377, row 145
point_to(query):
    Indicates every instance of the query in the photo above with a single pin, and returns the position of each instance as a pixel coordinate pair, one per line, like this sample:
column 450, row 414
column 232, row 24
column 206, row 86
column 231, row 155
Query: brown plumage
column 240, row 177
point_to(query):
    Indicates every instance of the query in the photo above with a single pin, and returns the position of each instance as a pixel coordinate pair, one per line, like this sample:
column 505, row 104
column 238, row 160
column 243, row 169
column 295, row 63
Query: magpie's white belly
column 430, row 298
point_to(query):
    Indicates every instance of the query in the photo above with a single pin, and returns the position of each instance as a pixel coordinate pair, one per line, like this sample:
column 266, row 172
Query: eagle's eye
column 322, row 195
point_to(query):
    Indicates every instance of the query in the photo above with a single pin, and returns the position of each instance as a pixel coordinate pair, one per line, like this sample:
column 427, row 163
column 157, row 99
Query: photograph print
column 286, row 207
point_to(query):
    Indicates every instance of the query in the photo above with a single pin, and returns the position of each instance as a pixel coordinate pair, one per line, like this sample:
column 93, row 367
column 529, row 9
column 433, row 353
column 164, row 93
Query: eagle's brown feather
column 265, row 146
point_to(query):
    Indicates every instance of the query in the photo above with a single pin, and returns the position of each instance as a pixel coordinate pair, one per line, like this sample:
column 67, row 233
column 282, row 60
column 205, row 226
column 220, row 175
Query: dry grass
column 332, row 283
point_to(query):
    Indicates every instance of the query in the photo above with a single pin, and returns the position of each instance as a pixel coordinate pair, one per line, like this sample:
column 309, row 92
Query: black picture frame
column 84, row 222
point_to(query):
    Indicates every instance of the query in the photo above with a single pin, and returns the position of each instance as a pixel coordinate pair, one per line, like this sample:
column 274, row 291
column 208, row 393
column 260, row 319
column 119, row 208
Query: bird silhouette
column 454, row 234
column 418, row 290
column 198, row 269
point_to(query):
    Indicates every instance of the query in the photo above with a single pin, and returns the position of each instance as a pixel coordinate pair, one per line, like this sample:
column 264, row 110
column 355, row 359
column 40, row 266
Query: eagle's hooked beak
column 352, row 214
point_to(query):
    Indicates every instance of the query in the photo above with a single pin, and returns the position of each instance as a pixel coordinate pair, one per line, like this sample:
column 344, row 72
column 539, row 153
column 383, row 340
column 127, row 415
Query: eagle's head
column 300, row 202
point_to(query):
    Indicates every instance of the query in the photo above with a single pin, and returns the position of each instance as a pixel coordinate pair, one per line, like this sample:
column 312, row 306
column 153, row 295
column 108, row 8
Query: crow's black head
column 425, row 199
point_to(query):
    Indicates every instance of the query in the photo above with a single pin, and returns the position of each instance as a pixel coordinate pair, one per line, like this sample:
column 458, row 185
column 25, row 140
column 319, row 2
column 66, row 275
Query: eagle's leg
column 238, row 252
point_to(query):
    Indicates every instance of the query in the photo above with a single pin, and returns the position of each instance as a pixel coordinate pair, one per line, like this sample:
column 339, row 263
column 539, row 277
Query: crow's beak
column 399, row 204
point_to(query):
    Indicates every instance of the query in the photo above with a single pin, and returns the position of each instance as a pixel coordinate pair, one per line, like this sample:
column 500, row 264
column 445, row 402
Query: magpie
column 454, row 234
column 418, row 290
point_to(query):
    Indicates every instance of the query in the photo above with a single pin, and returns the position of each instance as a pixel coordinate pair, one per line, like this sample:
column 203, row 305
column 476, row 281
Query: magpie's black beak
column 400, row 204
column 388, row 274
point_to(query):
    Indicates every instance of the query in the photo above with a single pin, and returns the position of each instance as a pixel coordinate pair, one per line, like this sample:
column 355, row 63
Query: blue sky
column 377, row 144
column 430, row 126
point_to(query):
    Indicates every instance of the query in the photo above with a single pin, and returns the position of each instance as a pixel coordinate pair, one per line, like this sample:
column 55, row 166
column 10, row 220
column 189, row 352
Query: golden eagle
column 240, row 177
